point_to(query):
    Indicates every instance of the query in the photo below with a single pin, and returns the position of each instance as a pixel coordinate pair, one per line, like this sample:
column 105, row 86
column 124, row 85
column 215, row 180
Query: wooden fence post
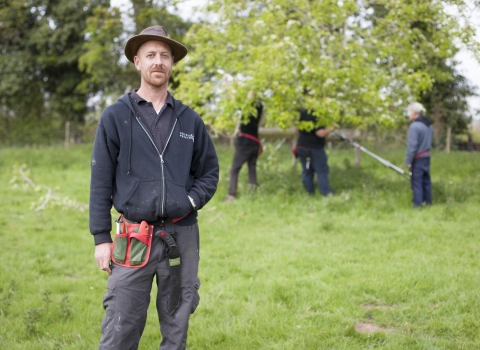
column 67, row 133
column 449, row 139
column 357, row 153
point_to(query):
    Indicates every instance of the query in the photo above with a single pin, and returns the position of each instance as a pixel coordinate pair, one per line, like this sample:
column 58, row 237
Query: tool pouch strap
column 256, row 139
column 166, row 233
column 301, row 151
column 132, row 244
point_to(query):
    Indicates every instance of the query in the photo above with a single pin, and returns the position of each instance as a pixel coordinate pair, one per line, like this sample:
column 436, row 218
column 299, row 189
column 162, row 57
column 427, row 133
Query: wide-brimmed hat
column 157, row 33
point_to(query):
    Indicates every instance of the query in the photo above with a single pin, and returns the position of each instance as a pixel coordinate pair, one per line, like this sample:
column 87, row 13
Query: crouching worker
column 154, row 161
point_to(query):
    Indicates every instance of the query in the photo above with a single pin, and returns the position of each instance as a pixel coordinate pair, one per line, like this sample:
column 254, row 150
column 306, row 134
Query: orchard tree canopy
column 352, row 62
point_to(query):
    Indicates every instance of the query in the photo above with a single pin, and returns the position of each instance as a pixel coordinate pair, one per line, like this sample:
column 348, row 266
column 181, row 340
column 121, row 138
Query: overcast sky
column 468, row 66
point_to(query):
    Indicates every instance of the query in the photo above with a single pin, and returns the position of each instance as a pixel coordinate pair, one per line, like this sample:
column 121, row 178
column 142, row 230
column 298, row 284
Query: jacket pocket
column 177, row 203
column 144, row 201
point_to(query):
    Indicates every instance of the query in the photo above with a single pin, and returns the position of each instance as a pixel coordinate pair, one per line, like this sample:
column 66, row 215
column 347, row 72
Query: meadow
column 279, row 269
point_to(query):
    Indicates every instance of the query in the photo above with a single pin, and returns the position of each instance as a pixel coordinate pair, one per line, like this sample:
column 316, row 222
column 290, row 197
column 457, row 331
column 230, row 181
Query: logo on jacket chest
column 187, row 136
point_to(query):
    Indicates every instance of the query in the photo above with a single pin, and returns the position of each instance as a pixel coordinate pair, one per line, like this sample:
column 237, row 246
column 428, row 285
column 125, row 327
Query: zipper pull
column 161, row 158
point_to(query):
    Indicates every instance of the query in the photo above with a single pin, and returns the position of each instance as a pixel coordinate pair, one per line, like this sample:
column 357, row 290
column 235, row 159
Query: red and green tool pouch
column 132, row 244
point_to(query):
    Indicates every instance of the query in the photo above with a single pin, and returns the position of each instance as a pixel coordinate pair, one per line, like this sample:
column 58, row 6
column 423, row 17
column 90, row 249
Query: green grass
column 279, row 269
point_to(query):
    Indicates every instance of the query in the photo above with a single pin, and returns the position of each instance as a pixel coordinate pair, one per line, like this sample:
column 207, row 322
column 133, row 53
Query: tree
column 41, row 44
column 446, row 100
column 446, row 104
column 327, row 56
column 102, row 51
column 19, row 80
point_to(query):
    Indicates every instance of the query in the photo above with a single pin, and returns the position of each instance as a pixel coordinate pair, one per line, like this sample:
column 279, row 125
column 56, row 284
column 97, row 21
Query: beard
column 157, row 77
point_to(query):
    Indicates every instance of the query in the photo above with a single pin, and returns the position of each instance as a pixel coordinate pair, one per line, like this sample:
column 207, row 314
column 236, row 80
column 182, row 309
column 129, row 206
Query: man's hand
column 103, row 253
column 409, row 166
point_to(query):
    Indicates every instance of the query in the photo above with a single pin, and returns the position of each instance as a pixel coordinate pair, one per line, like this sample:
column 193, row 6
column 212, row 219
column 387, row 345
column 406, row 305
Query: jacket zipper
column 160, row 155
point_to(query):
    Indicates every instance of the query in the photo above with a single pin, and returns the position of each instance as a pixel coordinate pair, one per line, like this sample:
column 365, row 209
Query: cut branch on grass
column 49, row 198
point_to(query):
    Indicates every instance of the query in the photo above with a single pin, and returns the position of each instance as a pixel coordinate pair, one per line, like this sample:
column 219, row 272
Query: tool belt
column 304, row 151
column 132, row 244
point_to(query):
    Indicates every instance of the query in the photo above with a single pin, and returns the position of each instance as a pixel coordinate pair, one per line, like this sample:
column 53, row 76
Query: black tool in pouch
column 166, row 232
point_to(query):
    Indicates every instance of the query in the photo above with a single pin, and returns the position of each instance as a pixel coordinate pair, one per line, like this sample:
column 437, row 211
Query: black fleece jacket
column 141, row 181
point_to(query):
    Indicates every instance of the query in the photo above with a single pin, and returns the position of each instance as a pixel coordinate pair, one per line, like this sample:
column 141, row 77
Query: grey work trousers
column 243, row 154
column 128, row 296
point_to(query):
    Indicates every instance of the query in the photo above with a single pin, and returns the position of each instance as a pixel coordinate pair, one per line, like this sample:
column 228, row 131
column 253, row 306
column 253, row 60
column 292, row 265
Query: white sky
column 468, row 65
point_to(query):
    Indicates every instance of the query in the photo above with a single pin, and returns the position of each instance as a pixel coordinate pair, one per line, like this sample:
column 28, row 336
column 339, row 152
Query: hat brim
column 133, row 44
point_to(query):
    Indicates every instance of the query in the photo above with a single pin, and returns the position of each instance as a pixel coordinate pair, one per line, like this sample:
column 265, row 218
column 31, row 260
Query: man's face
column 154, row 60
column 412, row 116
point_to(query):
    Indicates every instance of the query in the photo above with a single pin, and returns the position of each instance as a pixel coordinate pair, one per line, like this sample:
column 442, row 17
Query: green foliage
column 446, row 100
column 446, row 104
column 34, row 318
column 338, row 59
column 41, row 44
column 6, row 298
column 103, row 49
column 31, row 319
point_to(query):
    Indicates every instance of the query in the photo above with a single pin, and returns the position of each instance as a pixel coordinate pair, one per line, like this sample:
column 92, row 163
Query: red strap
column 248, row 136
column 256, row 139
column 418, row 155
column 174, row 220
column 295, row 150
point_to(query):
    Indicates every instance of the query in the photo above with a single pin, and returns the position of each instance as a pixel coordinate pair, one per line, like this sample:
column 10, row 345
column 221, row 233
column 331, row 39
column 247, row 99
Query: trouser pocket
column 195, row 301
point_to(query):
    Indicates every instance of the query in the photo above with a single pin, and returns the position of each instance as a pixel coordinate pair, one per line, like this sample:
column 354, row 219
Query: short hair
column 416, row 108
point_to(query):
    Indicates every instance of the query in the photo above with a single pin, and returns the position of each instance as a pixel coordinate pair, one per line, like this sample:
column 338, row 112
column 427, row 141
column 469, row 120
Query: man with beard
column 417, row 158
column 154, row 161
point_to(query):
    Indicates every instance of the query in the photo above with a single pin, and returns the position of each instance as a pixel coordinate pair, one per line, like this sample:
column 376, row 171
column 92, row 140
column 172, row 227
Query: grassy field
column 279, row 269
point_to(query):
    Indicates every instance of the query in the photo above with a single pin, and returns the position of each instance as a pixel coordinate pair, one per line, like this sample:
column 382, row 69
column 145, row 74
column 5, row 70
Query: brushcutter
column 363, row 149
